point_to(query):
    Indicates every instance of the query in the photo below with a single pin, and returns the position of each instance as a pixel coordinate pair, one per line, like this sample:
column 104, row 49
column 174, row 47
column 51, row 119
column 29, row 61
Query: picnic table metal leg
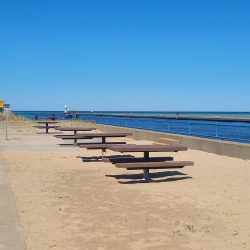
column 146, row 174
column 46, row 129
column 103, row 153
column 75, row 140
column 146, row 155
column 103, row 140
column 103, row 150
column 146, row 170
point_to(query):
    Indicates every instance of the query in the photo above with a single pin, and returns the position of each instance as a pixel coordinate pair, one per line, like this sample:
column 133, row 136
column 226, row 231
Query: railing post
column 216, row 130
column 189, row 128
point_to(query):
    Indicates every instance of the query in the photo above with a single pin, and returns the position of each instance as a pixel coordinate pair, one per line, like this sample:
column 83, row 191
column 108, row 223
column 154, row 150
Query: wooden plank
column 75, row 129
column 155, row 165
column 41, row 126
column 135, row 159
column 67, row 136
column 147, row 148
column 98, row 145
column 46, row 122
column 97, row 135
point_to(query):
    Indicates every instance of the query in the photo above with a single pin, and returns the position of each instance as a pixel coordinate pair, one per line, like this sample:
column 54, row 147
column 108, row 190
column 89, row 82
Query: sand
column 65, row 203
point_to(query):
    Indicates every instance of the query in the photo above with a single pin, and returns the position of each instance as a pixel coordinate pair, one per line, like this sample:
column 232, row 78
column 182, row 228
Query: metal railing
column 214, row 130
column 239, row 132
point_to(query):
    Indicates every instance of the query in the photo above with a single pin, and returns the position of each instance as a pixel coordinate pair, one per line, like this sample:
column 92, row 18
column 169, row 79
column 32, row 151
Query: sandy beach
column 66, row 203
column 171, row 78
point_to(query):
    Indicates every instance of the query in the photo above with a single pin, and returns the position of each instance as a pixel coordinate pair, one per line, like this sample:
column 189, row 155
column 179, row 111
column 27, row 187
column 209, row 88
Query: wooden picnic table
column 103, row 136
column 146, row 166
column 52, row 118
column 146, row 149
column 149, row 163
column 74, row 130
column 47, row 125
column 47, row 122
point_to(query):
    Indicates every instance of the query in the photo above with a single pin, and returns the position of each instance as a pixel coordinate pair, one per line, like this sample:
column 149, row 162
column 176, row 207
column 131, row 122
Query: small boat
column 70, row 114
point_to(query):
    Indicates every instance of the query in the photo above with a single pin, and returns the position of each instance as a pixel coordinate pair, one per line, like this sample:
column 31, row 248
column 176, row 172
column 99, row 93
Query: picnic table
column 53, row 118
column 103, row 136
column 146, row 149
column 148, row 163
column 74, row 129
column 47, row 125
column 99, row 145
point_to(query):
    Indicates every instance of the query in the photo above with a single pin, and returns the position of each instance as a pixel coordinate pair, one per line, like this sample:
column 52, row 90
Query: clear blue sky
column 125, row 54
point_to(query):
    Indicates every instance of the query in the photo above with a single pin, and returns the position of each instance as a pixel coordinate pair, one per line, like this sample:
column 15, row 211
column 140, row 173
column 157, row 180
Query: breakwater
column 172, row 117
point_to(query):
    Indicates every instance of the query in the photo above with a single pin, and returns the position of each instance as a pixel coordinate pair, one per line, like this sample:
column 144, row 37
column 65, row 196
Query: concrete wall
column 233, row 149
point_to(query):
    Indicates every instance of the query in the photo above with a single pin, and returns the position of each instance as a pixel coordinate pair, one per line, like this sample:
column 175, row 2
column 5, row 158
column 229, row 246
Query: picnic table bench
column 132, row 159
column 146, row 166
column 75, row 131
column 46, row 125
column 146, row 148
column 103, row 137
column 52, row 118
column 146, row 163
column 102, row 146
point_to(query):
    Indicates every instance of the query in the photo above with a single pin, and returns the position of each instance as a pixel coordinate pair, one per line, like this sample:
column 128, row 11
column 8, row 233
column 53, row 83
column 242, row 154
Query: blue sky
column 125, row 54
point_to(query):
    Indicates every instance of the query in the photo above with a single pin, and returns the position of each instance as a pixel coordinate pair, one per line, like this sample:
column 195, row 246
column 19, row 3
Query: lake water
column 230, row 131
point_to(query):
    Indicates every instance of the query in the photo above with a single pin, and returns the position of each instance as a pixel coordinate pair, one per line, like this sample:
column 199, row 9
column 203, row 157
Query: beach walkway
column 11, row 237
column 10, row 229
column 66, row 198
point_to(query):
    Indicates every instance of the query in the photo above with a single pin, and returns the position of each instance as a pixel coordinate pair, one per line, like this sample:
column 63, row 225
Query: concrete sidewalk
column 10, row 229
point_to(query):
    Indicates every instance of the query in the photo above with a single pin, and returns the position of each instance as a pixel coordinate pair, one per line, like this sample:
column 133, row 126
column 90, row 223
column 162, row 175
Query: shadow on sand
column 50, row 133
column 99, row 158
column 138, row 178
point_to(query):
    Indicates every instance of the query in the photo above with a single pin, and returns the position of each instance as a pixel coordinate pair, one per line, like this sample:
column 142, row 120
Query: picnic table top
column 44, row 126
column 47, row 122
column 79, row 136
column 146, row 148
column 75, row 129
column 156, row 165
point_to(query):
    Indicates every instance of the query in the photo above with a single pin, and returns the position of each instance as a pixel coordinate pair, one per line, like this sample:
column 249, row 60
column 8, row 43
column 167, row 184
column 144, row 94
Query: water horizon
column 205, row 114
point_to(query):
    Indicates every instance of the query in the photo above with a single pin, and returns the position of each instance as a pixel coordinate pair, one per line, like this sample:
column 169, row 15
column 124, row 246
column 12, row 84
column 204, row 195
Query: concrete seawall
column 173, row 117
column 232, row 149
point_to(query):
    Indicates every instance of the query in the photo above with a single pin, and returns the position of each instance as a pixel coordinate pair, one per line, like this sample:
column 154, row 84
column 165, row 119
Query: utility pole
column 6, row 110
column 6, row 126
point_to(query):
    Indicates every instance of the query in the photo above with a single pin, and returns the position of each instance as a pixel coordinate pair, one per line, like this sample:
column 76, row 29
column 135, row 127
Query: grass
column 12, row 117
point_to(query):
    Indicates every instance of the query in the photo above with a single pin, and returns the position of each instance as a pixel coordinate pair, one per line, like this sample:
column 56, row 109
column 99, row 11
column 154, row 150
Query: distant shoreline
column 179, row 117
column 196, row 116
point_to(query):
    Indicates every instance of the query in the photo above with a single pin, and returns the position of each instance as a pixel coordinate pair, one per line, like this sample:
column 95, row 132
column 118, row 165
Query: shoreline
column 181, row 116
column 219, row 119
